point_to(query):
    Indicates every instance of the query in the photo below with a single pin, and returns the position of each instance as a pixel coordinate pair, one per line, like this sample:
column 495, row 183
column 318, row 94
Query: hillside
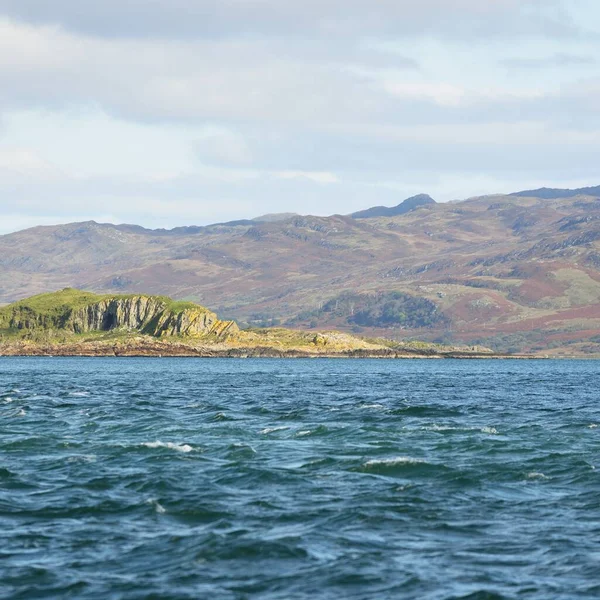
column 511, row 272
column 554, row 193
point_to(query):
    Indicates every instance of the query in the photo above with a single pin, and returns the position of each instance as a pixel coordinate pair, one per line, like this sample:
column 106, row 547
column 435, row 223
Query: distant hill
column 393, row 211
column 554, row 193
column 274, row 217
column 508, row 272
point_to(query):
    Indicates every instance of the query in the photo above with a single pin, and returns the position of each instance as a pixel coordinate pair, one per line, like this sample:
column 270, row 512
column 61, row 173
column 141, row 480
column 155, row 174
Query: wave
column 535, row 475
column 441, row 428
column 393, row 462
column 268, row 430
column 169, row 445
column 158, row 507
column 82, row 458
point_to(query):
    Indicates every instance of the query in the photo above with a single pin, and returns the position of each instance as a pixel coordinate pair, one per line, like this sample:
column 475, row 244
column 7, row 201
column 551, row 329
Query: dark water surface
column 284, row 479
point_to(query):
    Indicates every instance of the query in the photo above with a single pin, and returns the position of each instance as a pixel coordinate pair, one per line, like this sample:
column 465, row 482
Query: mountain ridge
column 555, row 193
column 505, row 271
column 405, row 206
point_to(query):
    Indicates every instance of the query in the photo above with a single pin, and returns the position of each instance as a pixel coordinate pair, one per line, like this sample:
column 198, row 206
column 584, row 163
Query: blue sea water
column 283, row 479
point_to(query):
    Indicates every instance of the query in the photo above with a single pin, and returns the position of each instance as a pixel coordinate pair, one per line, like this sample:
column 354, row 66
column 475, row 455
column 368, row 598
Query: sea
column 281, row 479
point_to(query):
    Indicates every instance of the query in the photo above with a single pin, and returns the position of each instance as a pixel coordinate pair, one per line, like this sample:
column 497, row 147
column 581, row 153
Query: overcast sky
column 180, row 112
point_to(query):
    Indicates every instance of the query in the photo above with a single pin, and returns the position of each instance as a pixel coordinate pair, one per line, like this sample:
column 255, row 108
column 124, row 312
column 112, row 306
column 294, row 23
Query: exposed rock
column 150, row 315
column 116, row 313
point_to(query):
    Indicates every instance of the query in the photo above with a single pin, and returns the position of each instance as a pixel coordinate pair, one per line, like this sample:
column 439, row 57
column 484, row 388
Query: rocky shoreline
column 152, row 348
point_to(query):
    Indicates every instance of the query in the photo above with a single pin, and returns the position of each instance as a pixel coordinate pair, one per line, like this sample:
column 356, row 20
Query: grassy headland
column 77, row 323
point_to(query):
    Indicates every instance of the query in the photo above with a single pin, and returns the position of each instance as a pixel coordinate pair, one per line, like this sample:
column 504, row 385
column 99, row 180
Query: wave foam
column 535, row 475
column 158, row 507
column 488, row 430
column 268, row 430
column 170, row 445
column 392, row 462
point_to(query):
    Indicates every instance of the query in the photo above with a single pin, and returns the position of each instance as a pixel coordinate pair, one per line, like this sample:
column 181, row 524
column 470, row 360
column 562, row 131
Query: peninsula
column 77, row 323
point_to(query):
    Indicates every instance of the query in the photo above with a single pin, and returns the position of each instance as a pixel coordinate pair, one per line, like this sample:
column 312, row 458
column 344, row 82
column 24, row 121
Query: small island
column 72, row 322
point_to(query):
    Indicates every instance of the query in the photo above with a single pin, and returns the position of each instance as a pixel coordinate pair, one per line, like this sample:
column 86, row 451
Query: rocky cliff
column 80, row 312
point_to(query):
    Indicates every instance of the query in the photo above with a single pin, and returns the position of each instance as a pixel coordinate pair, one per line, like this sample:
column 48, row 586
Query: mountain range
column 514, row 272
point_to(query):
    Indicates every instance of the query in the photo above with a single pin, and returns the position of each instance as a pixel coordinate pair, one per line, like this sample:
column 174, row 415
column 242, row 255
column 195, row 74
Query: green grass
column 55, row 303
column 178, row 306
column 53, row 309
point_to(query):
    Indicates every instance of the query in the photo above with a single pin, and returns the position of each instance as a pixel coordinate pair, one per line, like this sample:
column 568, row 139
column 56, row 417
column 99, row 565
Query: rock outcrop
column 116, row 313
column 77, row 312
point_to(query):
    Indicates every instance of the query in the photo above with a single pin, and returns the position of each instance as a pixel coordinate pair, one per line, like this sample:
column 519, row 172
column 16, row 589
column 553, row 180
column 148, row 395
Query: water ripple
column 232, row 479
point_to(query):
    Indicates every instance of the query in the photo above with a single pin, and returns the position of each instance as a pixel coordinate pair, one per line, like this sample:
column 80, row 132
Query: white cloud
column 23, row 162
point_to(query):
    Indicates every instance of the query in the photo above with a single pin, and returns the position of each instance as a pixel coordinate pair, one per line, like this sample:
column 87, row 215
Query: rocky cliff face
column 192, row 322
column 145, row 314
column 116, row 313
column 151, row 316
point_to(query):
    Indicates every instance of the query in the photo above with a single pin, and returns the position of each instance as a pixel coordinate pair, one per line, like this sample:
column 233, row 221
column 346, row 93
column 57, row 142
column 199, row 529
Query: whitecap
column 170, row 445
column 21, row 413
column 371, row 406
column 8, row 400
column 79, row 394
column 391, row 462
column 268, row 430
column 443, row 428
column 535, row 475
column 303, row 433
column 592, row 426
column 158, row 507
column 490, row 430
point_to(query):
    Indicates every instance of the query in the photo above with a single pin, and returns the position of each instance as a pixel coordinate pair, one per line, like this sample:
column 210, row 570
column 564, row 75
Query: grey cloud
column 202, row 81
column 239, row 83
column 176, row 19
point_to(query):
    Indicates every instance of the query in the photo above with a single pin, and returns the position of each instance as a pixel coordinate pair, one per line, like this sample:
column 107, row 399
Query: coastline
column 174, row 350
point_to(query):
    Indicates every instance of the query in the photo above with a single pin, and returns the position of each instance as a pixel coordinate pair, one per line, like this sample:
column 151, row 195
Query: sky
column 165, row 113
